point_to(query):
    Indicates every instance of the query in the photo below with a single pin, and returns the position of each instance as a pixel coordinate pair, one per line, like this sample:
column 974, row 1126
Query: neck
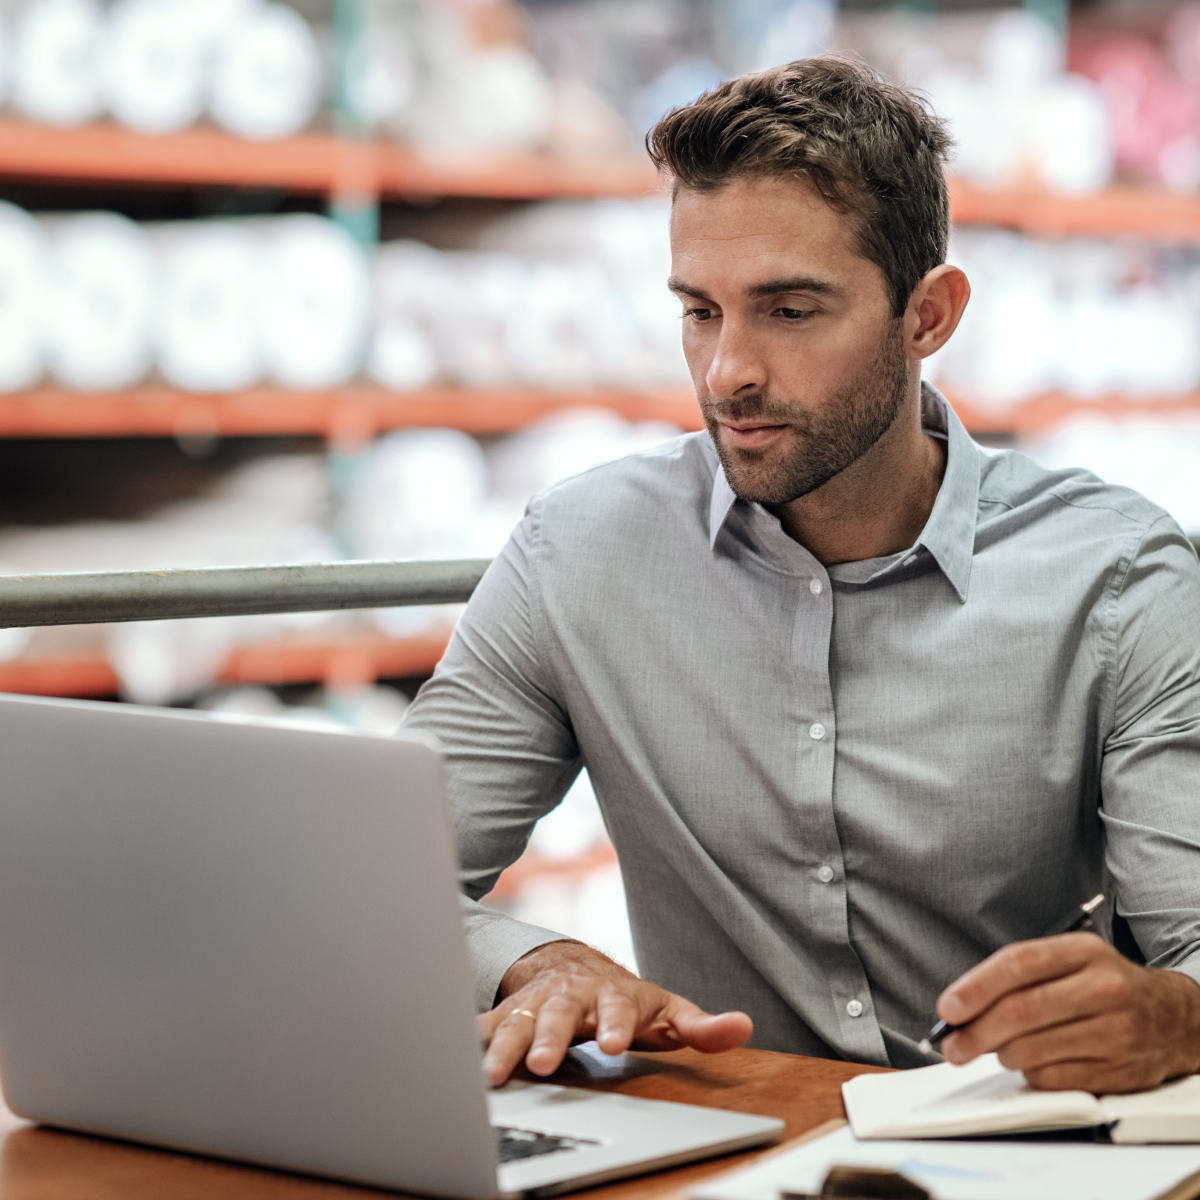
column 879, row 504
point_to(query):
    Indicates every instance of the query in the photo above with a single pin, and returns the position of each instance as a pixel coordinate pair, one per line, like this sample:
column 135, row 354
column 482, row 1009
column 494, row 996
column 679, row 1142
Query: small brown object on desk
column 45, row 1164
column 863, row 1183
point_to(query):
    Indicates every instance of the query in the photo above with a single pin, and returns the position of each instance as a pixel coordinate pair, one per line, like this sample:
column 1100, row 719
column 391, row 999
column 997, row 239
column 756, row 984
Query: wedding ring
column 524, row 1012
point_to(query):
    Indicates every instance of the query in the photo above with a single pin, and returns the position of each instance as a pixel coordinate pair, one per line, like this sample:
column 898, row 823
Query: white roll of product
column 100, row 298
column 316, row 301
column 22, row 279
column 409, row 279
column 152, row 65
column 56, row 67
column 416, row 493
column 471, row 338
column 266, row 79
column 207, row 322
column 381, row 76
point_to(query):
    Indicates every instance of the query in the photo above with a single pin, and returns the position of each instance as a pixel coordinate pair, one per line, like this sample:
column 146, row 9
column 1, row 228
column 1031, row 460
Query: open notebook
column 984, row 1097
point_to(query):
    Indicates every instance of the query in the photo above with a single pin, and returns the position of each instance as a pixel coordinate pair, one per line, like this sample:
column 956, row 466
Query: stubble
column 823, row 443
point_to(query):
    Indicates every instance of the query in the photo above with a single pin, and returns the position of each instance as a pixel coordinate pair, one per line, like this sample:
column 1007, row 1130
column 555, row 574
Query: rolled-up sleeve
column 509, row 748
column 1150, row 776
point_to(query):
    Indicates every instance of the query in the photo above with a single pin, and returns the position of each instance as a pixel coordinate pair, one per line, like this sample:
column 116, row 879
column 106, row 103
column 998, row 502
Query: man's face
column 797, row 362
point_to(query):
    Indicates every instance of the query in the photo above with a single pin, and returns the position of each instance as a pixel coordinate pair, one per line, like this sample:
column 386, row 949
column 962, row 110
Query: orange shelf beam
column 359, row 412
column 344, row 660
column 534, row 866
column 311, row 162
column 340, row 414
column 321, row 163
column 1038, row 414
column 1114, row 212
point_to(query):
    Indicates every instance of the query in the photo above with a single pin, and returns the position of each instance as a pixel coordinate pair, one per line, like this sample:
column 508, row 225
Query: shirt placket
column 816, row 754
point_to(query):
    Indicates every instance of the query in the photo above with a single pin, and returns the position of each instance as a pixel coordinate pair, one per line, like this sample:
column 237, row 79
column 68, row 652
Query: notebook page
column 1170, row 1113
column 946, row 1101
column 970, row 1170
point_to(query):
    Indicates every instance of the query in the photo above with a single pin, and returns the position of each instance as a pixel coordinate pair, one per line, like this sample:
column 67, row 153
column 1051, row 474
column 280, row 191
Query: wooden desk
column 44, row 1164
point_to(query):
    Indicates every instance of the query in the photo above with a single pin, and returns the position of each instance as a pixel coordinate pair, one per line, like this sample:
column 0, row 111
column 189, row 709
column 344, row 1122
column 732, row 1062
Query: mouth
column 750, row 436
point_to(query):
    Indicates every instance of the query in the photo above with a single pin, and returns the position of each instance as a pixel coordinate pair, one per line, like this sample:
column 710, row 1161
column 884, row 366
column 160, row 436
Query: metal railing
column 89, row 598
column 93, row 597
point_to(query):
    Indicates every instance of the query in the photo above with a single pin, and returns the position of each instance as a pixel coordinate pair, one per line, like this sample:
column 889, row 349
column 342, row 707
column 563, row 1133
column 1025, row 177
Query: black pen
column 1077, row 919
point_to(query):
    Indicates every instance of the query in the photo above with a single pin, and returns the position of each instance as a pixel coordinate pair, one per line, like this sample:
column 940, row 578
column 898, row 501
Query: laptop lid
column 237, row 939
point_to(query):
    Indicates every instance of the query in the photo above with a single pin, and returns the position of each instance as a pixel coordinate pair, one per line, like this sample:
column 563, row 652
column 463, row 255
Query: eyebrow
column 795, row 283
column 773, row 287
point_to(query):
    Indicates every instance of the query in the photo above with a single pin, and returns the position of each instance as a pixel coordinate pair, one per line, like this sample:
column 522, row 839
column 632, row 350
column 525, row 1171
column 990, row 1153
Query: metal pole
column 92, row 598
column 85, row 599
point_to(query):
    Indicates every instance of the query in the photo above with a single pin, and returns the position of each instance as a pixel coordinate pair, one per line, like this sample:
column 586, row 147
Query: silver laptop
column 244, row 940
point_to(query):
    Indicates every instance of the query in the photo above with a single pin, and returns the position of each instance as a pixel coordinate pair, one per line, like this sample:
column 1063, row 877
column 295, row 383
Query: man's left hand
column 1072, row 1013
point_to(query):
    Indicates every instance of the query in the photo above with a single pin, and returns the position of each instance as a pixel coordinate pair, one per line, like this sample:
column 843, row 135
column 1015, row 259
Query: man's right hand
column 564, row 991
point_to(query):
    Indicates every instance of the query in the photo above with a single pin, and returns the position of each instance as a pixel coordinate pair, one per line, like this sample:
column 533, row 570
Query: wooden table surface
column 46, row 1164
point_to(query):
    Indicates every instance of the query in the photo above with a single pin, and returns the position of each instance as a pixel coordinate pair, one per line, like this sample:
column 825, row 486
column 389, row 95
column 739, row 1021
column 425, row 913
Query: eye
column 794, row 314
column 698, row 314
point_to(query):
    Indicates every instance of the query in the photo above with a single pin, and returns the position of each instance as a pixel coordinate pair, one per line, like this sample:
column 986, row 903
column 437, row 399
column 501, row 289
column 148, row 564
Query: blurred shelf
column 311, row 162
column 340, row 414
column 1114, row 212
column 359, row 412
column 323, row 163
column 1039, row 414
column 348, row 659
column 532, row 865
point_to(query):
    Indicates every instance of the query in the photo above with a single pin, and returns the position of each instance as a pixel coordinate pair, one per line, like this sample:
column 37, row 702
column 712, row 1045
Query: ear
column 934, row 310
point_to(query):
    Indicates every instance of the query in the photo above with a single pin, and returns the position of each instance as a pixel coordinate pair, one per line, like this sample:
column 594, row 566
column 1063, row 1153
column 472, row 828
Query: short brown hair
column 872, row 149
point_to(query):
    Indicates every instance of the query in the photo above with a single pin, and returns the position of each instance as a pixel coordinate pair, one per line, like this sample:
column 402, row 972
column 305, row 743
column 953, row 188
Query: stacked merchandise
column 1146, row 63
column 255, row 67
column 99, row 302
column 433, row 74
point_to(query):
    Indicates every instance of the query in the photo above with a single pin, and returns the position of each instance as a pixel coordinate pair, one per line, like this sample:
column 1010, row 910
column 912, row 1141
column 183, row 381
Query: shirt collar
column 949, row 534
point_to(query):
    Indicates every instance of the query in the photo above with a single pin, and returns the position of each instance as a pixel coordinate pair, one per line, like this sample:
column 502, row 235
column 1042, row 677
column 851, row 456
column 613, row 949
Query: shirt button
column 815, row 586
column 816, row 731
column 825, row 874
column 855, row 1008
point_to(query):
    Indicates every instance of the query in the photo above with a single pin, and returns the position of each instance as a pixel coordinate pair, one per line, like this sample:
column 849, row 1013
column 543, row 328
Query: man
column 867, row 711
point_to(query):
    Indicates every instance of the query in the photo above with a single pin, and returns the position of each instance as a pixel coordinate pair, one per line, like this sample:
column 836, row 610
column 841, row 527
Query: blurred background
column 327, row 279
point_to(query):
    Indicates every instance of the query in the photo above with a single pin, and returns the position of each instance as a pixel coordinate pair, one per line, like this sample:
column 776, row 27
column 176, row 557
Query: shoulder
column 668, row 487
column 1017, row 493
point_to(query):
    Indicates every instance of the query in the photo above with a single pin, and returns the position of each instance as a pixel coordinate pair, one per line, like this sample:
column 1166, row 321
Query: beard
column 826, row 442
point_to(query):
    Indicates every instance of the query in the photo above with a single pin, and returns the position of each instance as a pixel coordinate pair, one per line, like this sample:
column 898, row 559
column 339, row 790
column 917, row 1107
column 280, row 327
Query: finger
column 618, row 1020
column 710, row 1033
column 558, row 1021
column 1097, row 1040
column 1024, row 1012
column 489, row 1022
column 1017, row 966
column 511, row 1039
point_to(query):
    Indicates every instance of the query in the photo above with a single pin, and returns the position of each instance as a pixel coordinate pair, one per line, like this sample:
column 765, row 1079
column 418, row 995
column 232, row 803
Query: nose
column 737, row 364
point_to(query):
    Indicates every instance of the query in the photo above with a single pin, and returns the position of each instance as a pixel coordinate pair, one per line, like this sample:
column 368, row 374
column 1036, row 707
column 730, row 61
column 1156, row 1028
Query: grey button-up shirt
column 834, row 790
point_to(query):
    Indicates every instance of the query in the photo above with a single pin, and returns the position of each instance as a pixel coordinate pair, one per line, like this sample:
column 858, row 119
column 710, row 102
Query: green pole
column 1056, row 13
column 350, row 207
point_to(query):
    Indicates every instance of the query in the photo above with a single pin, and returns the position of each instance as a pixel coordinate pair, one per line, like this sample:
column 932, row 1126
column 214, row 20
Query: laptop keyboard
column 516, row 1144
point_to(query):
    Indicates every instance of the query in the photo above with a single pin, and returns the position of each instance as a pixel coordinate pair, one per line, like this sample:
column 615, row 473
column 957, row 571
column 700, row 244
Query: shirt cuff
column 494, row 942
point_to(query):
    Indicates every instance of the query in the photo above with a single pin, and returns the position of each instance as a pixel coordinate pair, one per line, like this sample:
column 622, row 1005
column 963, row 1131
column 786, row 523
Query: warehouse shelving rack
column 324, row 164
